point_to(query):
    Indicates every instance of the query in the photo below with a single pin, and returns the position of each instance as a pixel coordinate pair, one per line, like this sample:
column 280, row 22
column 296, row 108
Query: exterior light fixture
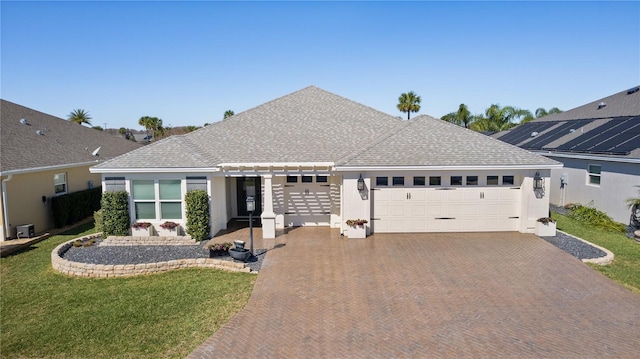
column 538, row 182
column 360, row 184
column 251, row 204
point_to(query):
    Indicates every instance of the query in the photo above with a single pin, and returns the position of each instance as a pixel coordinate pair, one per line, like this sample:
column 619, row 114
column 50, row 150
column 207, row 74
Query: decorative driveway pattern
column 427, row 296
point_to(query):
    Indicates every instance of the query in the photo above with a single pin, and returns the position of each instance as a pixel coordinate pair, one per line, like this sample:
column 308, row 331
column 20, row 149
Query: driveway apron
column 427, row 296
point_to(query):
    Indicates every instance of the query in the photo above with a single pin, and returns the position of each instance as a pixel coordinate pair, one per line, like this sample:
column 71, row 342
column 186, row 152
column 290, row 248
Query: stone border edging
column 148, row 241
column 607, row 259
column 89, row 270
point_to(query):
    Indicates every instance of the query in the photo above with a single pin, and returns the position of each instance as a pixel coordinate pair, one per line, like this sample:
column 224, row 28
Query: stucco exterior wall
column 25, row 192
column 218, row 200
column 534, row 204
column 617, row 184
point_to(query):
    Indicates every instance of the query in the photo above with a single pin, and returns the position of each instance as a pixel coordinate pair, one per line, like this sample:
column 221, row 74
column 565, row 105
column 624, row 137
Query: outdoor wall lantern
column 251, row 204
column 538, row 182
column 360, row 184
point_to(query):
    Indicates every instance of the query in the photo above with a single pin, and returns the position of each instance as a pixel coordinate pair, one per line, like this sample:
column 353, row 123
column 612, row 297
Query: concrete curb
column 603, row 261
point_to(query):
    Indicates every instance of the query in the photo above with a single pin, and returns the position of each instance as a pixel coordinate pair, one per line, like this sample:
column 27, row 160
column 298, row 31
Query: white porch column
column 268, row 216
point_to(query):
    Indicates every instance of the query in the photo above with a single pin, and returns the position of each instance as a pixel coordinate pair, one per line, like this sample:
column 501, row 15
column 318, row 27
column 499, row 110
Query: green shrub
column 594, row 217
column 97, row 218
column 73, row 207
column 197, row 203
column 115, row 213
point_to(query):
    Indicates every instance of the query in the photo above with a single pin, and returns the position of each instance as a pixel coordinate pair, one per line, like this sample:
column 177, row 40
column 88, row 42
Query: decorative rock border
column 149, row 241
column 128, row 270
column 607, row 259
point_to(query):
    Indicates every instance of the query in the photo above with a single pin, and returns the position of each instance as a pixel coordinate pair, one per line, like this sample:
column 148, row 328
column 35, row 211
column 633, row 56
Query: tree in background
column 540, row 112
column 191, row 128
column 99, row 128
column 152, row 124
column 496, row 118
column 409, row 102
column 80, row 117
column 461, row 118
column 227, row 114
column 123, row 132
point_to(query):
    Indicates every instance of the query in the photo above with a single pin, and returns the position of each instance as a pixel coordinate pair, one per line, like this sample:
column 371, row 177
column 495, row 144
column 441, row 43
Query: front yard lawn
column 44, row 314
column 625, row 268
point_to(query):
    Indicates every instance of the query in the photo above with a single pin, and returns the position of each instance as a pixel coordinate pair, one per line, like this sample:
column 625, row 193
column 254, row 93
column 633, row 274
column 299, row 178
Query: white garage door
column 307, row 204
column 486, row 209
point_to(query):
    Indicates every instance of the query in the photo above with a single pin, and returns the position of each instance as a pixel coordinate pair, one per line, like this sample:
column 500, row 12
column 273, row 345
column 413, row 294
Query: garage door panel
column 307, row 204
column 457, row 210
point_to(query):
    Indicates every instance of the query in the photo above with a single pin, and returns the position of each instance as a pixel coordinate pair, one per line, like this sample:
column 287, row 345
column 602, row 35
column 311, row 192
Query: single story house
column 313, row 158
column 599, row 145
column 44, row 156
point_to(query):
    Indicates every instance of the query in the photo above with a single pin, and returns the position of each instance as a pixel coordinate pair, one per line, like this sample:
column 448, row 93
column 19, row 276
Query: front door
column 248, row 186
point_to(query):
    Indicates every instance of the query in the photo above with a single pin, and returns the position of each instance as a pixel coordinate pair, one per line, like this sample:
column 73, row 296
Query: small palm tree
column 409, row 102
column 80, row 116
column 634, row 205
column 228, row 113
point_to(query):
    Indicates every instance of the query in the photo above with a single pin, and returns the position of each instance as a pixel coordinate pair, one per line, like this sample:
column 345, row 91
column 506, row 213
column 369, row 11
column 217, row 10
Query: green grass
column 625, row 268
column 44, row 314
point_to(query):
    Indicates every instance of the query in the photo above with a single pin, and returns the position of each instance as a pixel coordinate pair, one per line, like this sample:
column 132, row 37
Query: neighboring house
column 599, row 144
column 305, row 155
column 44, row 156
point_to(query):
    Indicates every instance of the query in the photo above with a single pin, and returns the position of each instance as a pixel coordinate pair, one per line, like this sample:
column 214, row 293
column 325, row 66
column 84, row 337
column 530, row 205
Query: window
column 60, row 183
column 292, row 179
column 114, row 184
column 144, row 199
column 507, row 180
column 456, row 180
column 492, row 180
column 307, row 179
column 382, row 181
column 322, row 179
column 435, row 181
column 472, row 180
column 197, row 183
column 167, row 199
column 170, row 199
column 398, row 181
column 418, row 181
column 594, row 174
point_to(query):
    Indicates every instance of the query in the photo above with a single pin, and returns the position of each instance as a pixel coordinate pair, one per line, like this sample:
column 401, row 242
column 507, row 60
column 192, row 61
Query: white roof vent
column 602, row 105
column 23, row 121
column 534, row 134
column 40, row 133
column 572, row 130
column 95, row 153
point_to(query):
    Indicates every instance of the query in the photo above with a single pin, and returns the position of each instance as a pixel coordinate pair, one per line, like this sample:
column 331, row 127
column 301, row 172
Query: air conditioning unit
column 25, row 231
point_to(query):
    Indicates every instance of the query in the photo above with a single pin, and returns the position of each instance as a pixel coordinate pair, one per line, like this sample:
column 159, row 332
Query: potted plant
column 357, row 228
column 141, row 229
column 169, row 229
column 219, row 249
column 545, row 227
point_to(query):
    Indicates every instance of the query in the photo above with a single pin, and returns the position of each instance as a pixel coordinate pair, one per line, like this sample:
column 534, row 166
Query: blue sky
column 189, row 62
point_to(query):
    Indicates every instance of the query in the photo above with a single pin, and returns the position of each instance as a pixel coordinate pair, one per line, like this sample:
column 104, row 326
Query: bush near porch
column 45, row 314
column 115, row 213
column 197, row 203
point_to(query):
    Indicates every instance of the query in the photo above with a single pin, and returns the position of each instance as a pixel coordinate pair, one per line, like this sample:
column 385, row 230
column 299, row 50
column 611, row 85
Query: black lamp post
column 251, row 206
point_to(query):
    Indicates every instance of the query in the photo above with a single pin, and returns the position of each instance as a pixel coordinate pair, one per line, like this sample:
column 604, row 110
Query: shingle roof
column 593, row 129
column 60, row 143
column 313, row 125
column 426, row 141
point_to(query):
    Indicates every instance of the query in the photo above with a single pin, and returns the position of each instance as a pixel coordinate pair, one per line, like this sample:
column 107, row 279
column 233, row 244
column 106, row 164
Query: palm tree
column 409, row 102
column 152, row 123
column 80, row 116
column 122, row 131
column 227, row 114
column 496, row 118
column 634, row 205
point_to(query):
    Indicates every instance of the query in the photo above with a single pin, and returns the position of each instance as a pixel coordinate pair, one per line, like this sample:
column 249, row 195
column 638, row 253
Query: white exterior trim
column 5, row 210
column 446, row 168
column 588, row 157
column 154, row 170
column 46, row 168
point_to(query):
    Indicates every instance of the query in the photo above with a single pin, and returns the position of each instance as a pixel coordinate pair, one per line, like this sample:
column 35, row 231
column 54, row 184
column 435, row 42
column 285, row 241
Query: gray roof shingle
column 313, row 125
column 60, row 143
column 617, row 105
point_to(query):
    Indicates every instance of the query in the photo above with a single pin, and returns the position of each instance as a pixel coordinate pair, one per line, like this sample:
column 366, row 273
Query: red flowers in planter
column 141, row 225
column 169, row 225
column 356, row 222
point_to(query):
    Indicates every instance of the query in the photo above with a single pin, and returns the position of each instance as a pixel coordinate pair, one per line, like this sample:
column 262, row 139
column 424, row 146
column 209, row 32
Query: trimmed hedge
column 197, row 203
column 97, row 219
column 115, row 214
column 72, row 207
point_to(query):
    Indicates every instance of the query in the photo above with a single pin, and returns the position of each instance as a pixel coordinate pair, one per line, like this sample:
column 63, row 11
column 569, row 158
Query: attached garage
column 447, row 209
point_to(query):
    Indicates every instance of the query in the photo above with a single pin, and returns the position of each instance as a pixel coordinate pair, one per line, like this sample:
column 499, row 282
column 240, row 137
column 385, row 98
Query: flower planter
column 545, row 229
column 174, row 232
column 357, row 232
column 142, row 232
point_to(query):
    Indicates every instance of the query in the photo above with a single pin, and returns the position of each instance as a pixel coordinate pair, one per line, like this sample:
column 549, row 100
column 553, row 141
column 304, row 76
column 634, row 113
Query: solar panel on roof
column 523, row 132
column 610, row 137
column 540, row 141
column 624, row 139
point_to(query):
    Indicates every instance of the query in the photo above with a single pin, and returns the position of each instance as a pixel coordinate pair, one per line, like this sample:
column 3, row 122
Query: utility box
column 25, row 231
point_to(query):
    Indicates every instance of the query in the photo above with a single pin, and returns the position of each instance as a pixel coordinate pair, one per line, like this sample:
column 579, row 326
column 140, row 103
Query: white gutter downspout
column 5, row 210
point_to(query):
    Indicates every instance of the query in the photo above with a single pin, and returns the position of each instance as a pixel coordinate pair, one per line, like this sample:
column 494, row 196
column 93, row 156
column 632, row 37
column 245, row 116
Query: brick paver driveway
column 428, row 296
